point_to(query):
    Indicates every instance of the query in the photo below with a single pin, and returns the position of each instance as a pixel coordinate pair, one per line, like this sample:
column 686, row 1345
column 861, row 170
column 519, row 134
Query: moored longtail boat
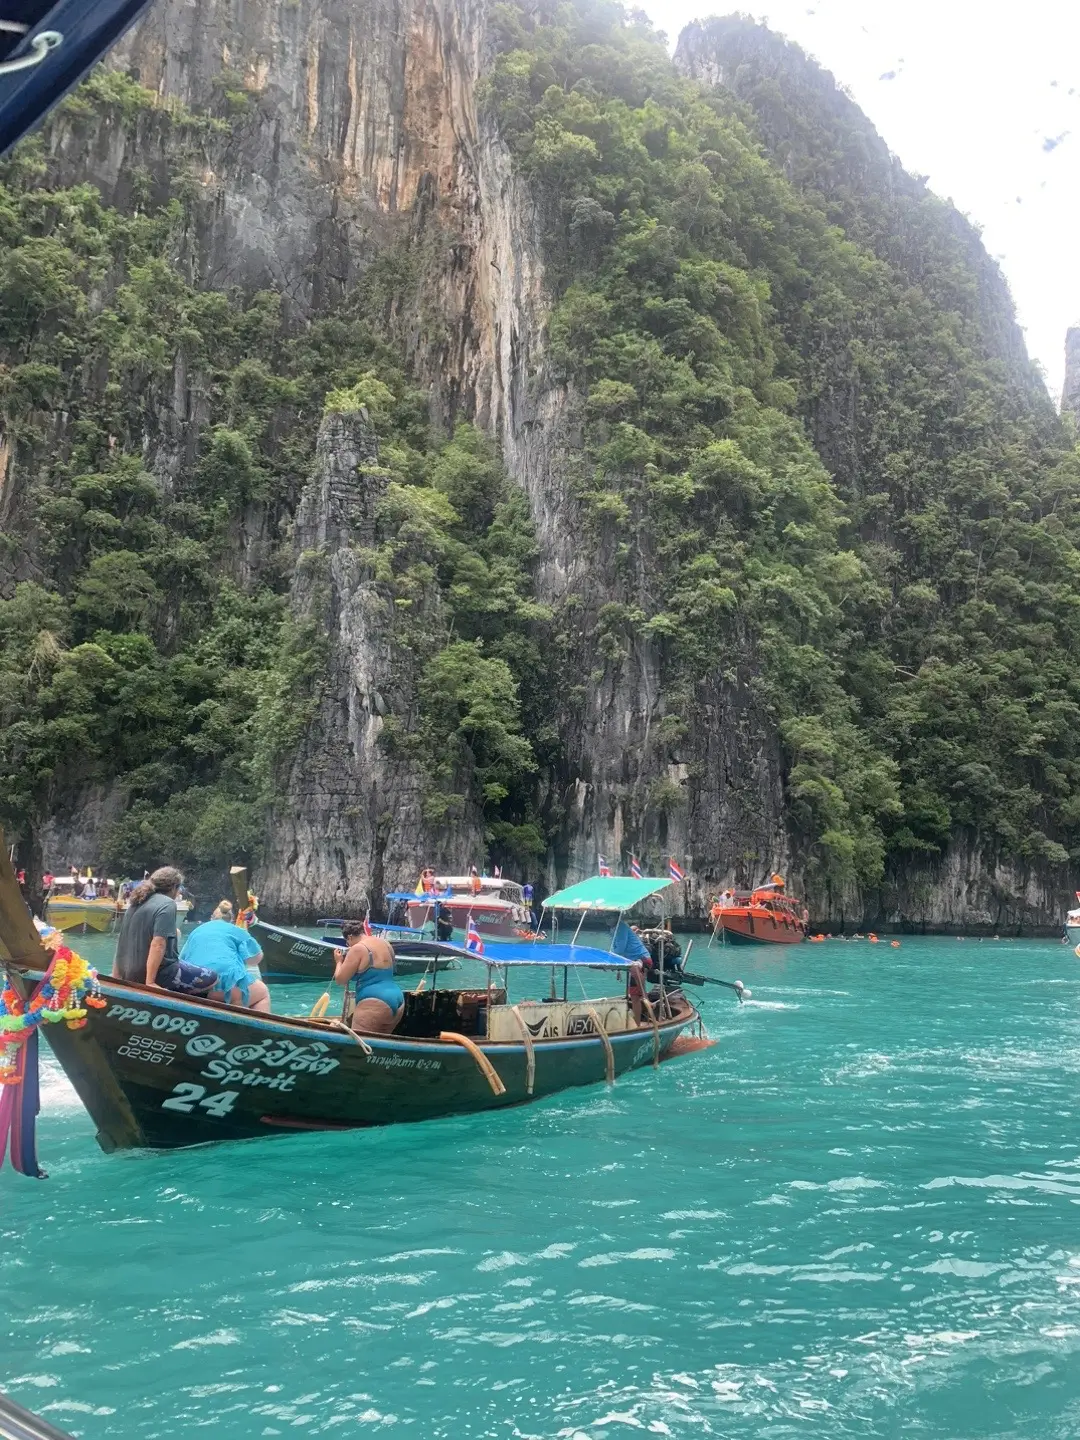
column 764, row 916
column 69, row 912
column 288, row 955
column 157, row 1069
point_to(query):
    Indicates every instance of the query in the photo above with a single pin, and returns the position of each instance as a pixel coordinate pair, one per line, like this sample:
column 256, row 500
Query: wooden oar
column 238, row 875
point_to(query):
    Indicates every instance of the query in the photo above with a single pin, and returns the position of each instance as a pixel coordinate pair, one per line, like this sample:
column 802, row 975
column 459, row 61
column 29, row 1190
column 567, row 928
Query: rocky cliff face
column 362, row 131
column 349, row 822
column 828, row 148
column 358, row 130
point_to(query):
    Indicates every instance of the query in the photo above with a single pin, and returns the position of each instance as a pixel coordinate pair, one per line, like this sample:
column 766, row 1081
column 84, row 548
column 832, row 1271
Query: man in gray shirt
column 146, row 949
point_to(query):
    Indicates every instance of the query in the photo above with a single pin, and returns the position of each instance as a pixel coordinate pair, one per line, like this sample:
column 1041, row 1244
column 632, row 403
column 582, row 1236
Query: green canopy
column 605, row 892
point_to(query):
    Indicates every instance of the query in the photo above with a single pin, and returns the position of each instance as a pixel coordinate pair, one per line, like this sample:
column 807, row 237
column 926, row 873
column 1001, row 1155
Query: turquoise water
column 855, row 1216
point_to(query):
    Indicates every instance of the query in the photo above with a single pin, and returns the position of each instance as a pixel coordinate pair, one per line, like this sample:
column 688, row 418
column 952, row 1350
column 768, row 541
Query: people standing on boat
column 89, row 889
column 47, row 881
column 426, row 884
column 228, row 949
column 368, row 963
column 474, row 880
column 146, row 948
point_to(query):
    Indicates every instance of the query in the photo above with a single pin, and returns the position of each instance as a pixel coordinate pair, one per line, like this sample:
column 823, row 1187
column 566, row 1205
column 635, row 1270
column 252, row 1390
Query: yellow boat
column 68, row 912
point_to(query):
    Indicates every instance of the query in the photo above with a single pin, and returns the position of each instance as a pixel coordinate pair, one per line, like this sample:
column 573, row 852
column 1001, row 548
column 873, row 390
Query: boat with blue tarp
column 159, row 1069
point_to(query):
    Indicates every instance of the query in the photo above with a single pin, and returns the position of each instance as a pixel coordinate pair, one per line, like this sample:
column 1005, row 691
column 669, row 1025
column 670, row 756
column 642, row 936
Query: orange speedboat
column 765, row 916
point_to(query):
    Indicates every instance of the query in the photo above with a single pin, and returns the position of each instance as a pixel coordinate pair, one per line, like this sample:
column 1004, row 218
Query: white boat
column 1072, row 926
column 496, row 907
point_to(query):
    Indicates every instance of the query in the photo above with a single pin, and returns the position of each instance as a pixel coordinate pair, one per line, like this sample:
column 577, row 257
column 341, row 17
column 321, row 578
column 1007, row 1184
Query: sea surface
column 857, row 1215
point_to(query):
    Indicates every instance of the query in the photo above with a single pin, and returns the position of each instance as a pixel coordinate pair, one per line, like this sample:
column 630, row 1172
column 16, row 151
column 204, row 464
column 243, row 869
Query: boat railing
column 760, row 896
column 19, row 1424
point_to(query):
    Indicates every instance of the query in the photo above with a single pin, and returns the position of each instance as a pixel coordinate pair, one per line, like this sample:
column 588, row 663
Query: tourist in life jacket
column 474, row 880
column 228, row 950
column 426, row 884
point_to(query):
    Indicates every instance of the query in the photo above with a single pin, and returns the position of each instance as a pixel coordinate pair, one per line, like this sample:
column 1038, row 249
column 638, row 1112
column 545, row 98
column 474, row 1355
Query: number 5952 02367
column 186, row 1096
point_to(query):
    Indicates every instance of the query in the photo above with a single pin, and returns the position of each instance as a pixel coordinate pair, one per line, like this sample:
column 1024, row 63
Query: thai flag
column 635, row 868
column 472, row 938
column 367, row 924
column 674, row 871
column 602, row 866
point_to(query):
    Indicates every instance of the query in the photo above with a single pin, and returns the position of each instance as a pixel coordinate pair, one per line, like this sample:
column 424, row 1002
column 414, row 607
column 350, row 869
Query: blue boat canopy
column 46, row 47
column 529, row 953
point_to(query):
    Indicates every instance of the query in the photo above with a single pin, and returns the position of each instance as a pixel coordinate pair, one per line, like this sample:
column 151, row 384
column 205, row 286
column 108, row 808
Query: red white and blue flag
column 674, row 870
column 635, row 868
column 367, row 923
column 472, row 938
column 602, row 866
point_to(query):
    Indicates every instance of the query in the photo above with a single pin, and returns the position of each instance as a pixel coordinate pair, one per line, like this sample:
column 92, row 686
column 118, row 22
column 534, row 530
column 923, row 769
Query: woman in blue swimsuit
column 368, row 963
column 227, row 948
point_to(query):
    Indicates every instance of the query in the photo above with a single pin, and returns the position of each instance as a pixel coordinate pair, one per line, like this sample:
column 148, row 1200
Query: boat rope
column 40, row 45
column 609, row 1053
column 340, row 1025
column 319, row 1009
column 530, row 1052
column 483, row 1064
column 655, row 1030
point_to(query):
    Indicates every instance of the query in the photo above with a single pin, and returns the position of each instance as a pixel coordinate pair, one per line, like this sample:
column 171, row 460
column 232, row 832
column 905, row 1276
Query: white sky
column 980, row 94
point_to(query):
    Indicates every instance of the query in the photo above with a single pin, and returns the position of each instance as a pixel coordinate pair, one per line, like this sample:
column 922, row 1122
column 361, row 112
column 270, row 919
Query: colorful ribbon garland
column 70, row 985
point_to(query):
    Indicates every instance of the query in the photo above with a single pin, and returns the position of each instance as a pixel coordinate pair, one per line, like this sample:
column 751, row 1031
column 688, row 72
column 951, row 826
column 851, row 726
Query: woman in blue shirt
column 222, row 946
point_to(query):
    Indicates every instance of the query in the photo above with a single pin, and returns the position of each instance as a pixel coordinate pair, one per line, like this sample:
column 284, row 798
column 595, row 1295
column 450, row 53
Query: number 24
column 185, row 1097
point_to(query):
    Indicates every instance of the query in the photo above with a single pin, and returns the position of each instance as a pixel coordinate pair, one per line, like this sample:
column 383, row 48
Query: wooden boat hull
column 290, row 956
column 69, row 914
column 158, row 1070
column 760, row 928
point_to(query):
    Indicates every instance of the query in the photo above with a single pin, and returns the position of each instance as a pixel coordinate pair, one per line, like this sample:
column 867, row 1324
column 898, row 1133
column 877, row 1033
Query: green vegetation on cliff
column 812, row 465
column 913, row 625
column 148, row 641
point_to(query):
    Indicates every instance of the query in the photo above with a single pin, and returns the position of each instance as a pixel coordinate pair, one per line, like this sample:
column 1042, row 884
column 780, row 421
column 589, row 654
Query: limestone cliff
column 348, row 823
column 364, row 128
column 355, row 131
